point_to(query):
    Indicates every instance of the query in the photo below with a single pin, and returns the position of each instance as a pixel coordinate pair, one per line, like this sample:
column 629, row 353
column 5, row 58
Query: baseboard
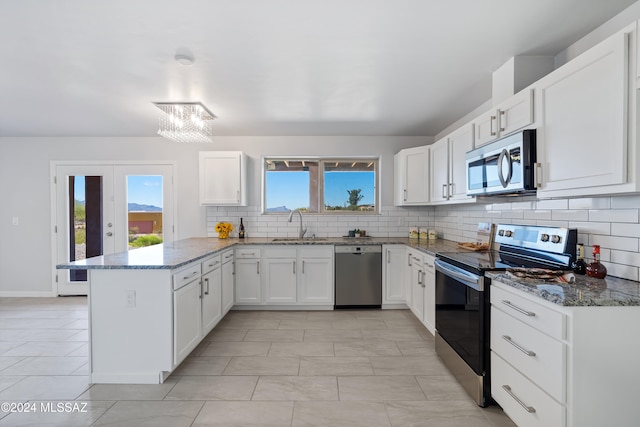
column 23, row 294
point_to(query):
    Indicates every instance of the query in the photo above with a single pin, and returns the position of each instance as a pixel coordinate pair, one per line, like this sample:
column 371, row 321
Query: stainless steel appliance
column 462, row 296
column 358, row 278
column 506, row 166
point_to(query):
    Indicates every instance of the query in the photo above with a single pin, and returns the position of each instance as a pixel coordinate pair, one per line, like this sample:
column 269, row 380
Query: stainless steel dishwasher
column 358, row 276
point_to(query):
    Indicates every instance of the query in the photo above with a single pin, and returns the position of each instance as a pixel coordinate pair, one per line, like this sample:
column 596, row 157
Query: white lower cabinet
column 393, row 274
column 248, row 286
column 315, row 276
column 285, row 275
column 187, row 319
column 423, row 285
column 429, row 281
column 211, row 294
column 227, row 281
column 417, row 286
column 197, row 304
column 553, row 365
column 279, row 276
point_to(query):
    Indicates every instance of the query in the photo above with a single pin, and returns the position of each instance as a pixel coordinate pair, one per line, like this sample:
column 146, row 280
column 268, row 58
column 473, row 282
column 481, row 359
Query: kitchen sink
column 297, row 239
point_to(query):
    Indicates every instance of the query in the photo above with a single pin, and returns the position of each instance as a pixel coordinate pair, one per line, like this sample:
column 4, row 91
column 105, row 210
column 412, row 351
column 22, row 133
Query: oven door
column 462, row 314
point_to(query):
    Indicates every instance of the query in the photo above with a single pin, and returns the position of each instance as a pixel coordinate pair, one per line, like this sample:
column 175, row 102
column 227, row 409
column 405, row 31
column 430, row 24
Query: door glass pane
column 350, row 185
column 144, row 210
column 85, row 221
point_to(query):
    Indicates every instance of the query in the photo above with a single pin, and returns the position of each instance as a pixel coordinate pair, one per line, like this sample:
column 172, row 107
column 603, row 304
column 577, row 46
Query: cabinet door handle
column 508, row 339
column 529, row 409
column 493, row 119
column 503, row 120
column 233, row 270
column 538, row 167
column 294, row 267
column 518, row 309
column 207, row 282
column 257, row 267
column 302, row 266
column 420, row 277
column 409, row 263
column 444, row 187
column 388, row 260
column 424, row 279
column 451, row 189
column 200, row 296
column 405, row 194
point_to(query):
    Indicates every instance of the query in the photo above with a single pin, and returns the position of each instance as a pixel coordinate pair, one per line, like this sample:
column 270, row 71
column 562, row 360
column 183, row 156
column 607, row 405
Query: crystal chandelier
column 185, row 121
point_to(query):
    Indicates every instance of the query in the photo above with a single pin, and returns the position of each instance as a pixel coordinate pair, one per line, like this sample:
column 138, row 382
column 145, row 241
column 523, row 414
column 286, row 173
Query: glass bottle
column 241, row 230
column 580, row 267
column 596, row 269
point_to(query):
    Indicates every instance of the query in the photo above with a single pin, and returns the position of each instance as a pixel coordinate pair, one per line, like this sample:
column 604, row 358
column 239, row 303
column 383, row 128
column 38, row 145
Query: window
column 320, row 185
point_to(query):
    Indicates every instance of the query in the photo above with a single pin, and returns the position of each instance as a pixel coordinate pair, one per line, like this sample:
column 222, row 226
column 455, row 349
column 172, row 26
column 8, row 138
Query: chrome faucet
column 302, row 230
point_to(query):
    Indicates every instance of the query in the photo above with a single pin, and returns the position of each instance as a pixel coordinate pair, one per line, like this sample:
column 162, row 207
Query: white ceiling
column 269, row 67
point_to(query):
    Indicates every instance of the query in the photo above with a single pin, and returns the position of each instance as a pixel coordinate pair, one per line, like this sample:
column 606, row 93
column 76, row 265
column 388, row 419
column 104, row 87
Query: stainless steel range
column 462, row 296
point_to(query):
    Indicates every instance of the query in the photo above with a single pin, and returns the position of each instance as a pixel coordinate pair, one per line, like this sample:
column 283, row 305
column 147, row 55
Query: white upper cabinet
column 513, row 114
column 412, row 176
column 223, row 178
column 439, row 169
column 448, row 167
column 583, row 141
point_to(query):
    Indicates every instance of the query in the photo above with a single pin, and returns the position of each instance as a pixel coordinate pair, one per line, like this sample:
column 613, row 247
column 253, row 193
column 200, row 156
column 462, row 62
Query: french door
column 101, row 209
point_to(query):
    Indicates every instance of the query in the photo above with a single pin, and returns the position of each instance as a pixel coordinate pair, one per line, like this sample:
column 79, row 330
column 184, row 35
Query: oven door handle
column 467, row 278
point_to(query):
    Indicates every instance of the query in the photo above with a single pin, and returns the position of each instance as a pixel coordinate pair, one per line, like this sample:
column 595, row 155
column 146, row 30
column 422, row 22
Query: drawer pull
column 247, row 253
column 508, row 339
column 529, row 409
column 518, row 309
column 193, row 273
column 228, row 256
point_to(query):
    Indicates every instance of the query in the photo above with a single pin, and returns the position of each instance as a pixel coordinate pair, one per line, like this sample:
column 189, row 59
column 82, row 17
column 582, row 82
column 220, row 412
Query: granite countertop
column 586, row 291
column 182, row 252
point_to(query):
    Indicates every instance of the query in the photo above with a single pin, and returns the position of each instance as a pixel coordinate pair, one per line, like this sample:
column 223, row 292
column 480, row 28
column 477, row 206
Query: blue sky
column 291, row 189
column 142, row 189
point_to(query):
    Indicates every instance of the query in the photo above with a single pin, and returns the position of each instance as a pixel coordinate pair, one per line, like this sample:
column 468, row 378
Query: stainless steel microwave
column 505, row 166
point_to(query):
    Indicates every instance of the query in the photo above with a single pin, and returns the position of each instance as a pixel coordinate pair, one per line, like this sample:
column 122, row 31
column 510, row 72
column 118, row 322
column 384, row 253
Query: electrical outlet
column 130, row 299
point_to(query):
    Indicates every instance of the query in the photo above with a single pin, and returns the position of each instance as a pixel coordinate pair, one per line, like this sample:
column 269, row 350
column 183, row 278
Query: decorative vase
column 223, row 235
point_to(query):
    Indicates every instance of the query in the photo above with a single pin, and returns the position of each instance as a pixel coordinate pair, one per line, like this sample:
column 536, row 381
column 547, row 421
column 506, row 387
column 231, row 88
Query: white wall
column 26, row 265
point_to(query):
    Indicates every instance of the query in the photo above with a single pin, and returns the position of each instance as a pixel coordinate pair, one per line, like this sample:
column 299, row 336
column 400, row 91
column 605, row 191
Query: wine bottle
column 241, row 230
column 596, row 269
column 580, row 267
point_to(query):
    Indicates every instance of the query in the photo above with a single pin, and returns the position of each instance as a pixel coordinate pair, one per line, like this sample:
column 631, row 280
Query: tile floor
column 264, row 368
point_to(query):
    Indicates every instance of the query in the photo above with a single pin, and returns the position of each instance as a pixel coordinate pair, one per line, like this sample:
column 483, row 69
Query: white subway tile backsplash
column 590, row 203
column 614, row 215
column 612, row 222
column 537, row 214
column 624, row 202
column 552, row 204
column 591, row 227
column 629, row 230
column 569, row 215
column 613, row 242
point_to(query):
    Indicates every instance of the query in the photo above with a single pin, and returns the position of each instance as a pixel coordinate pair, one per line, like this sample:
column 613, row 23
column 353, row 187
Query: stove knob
column 544, row 238
column 500, row 232
column 508, row 233
column 555, row 238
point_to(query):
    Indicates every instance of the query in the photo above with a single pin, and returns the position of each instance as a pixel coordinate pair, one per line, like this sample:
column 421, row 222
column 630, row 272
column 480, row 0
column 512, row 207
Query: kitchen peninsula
column 150, row 307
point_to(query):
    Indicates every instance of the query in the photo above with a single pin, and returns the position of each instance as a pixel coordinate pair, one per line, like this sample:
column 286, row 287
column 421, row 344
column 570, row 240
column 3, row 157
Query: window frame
column 322, row 160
